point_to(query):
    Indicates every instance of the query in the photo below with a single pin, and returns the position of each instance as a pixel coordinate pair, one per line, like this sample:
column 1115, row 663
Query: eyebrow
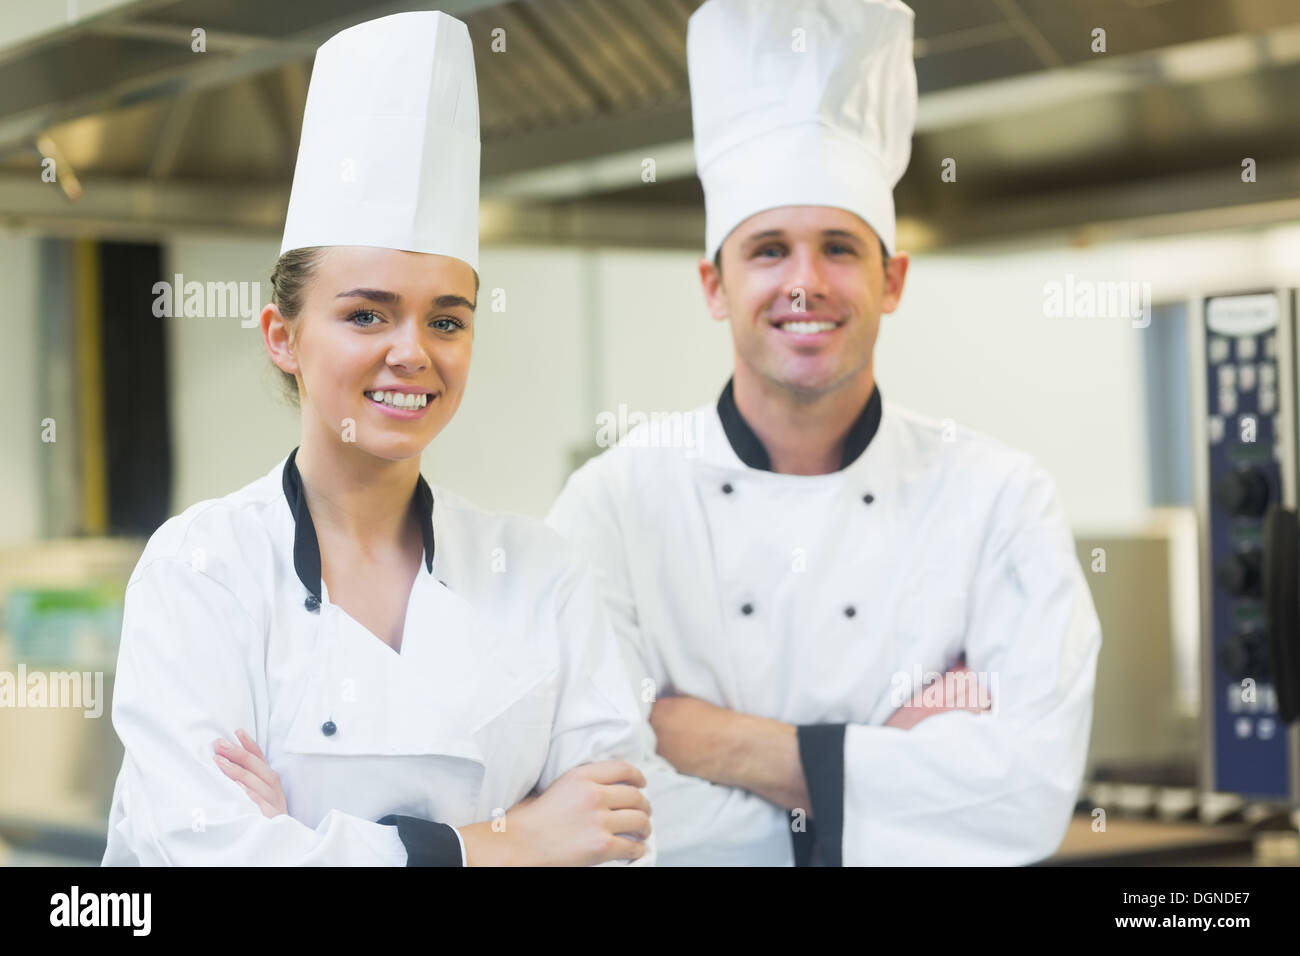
column 758, row 237
column 389, row 298
column 765, row 234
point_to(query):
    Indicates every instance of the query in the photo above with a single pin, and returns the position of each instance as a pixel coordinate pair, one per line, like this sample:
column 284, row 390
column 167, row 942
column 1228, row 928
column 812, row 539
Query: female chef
column 408, row 667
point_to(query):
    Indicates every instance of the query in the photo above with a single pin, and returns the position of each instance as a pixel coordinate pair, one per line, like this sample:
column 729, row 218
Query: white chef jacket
column 814, row 599
column 508, row 675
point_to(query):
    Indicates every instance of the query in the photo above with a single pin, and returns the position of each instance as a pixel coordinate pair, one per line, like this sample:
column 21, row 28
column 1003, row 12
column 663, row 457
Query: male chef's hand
column 247, row 766
column 917, row 710
column 576, row 821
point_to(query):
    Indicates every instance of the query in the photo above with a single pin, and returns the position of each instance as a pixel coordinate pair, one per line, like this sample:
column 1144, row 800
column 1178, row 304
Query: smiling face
column 803, row 288
column 383, row 342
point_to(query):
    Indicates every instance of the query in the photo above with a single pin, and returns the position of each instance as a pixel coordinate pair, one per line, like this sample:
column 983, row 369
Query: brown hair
column 289, row 279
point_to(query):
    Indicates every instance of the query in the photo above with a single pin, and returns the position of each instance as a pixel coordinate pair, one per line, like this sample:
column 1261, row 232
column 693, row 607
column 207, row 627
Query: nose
column 407, row 352
column 806, row 277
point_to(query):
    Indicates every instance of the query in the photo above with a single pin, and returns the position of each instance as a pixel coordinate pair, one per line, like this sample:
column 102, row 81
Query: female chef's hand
column 916, row 710
column 247, row 766
column 576, row 821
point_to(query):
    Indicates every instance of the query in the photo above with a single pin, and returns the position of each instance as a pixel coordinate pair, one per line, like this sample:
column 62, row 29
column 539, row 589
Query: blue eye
column 455, row 324
column 355, row 318
column 763, row 252
column 839, row 248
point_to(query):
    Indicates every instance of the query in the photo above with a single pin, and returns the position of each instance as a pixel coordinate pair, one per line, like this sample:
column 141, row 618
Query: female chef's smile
column 803, row 288
column 381, row 340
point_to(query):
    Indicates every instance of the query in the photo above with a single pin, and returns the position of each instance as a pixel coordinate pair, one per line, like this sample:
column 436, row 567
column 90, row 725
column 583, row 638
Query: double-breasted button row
column 748, row 608
column 728, row 488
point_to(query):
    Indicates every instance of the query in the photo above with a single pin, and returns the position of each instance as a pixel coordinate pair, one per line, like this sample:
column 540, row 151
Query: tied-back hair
column 289, row 279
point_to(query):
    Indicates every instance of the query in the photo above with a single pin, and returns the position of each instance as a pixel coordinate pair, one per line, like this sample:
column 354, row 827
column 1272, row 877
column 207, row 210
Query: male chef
column 782, row 587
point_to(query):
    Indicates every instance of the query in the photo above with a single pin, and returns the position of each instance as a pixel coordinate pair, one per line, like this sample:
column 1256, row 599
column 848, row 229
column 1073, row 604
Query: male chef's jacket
column 825, row 601
column 507, row 676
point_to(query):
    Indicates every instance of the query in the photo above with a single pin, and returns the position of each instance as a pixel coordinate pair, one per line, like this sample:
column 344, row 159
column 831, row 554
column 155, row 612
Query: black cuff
column 427, row 843
column 821, row 751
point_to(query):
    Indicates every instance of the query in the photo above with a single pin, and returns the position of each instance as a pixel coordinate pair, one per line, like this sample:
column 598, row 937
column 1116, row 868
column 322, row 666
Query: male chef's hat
column 801, row 103
column 389, row 154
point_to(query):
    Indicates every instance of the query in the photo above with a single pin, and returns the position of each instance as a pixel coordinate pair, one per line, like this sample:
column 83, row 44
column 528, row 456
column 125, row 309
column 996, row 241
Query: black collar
column 751, row 451
column 306, row 548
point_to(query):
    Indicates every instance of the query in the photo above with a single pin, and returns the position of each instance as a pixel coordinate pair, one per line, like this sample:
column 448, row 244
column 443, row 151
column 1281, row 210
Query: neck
column 352, row 493
column 803, row 434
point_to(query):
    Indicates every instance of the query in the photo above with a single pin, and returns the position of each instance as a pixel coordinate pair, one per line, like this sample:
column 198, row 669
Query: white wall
column 20, row 425
column 969, row 342
column 230, row 424
column 660, row 348
column 508, row 446
column 23, row 22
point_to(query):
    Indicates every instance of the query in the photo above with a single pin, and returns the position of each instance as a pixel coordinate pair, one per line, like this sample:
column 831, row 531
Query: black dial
column 1242, row 491
column 1246, row 655
column 1239, row 574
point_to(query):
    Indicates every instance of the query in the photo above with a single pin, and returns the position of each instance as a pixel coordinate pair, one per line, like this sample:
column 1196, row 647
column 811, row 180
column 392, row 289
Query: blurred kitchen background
column 173, row 152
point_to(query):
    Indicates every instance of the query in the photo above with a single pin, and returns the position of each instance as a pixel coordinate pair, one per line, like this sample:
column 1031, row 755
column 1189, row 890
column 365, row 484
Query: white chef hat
column 801, row 103
column 389, row 154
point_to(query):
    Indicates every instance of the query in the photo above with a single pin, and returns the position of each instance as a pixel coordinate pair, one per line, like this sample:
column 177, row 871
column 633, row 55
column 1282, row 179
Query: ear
column 895, row 276
column 277, row 335
column 714, row 296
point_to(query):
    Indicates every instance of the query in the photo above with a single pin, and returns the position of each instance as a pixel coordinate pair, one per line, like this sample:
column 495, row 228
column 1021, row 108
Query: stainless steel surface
column 1198, row 397
column 1136, row 720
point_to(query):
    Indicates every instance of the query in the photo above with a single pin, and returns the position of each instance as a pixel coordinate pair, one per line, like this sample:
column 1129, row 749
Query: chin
column 395, row 447
column 808, row 381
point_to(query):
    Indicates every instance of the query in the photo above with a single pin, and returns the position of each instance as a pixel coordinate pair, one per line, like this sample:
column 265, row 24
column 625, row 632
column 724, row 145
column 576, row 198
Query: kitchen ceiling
column 1049, row 137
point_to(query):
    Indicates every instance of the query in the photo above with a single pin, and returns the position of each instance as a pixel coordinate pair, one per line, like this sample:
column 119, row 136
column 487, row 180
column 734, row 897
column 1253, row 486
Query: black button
column 850, row 611
column 727, row 489
column 747, row 609
column 868, row 498
column 312, row 603
column 328, row 728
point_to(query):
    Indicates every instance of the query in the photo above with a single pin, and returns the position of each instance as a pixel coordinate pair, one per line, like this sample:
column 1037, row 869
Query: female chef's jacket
column 508, row 676
column 822, row 601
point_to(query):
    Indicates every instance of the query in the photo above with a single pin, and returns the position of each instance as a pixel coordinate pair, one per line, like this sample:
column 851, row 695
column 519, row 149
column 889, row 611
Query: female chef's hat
column 801, row 103
column 389, row 154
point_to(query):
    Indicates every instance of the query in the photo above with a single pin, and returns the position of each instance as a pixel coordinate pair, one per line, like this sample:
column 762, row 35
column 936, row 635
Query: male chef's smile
column 383, row 341
column 804, row 288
